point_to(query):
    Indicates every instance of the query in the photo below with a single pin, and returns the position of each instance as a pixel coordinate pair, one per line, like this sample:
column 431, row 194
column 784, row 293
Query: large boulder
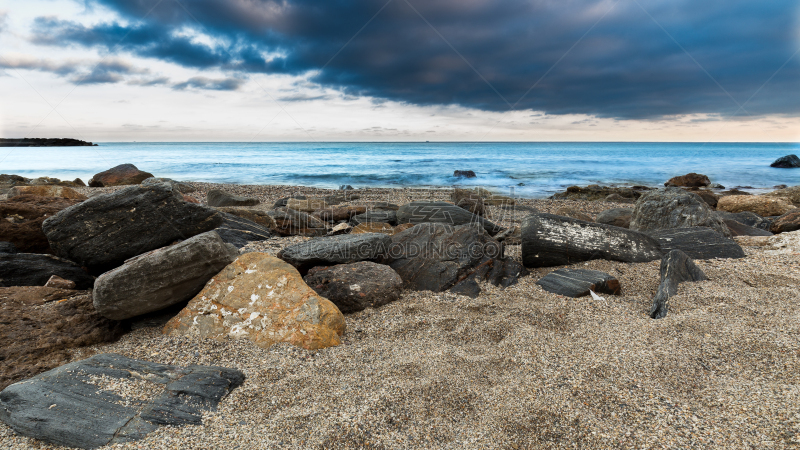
column 786, row 162
column 332, row 250
column 353, row 287
column 442, row 212
column 21, row 221
column 759, row 204
column 289, row 222
column 33, row 269
column 676, row 268
column 42, row 324
column 697, row 242
column 578, row 282
column 104, row 231
column 469, row 200
column 265, row 300
column 110, row 399
column 161, row 278
column 217, row 198
column 792, row 193
column 120, row 175
column 550, row 240
column 380, row 216
column 674, row 208
column 689, row 180
column 46, row 191
column 239, row 231
column 786, row 223
column 618, row 217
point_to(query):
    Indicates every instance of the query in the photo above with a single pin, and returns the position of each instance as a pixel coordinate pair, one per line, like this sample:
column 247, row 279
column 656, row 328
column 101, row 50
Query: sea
column 528, row 170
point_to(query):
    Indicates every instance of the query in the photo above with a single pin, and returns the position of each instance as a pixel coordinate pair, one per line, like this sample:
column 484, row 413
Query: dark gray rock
column 184, row 188
column 676, row 268
column 469, row 200
column 549, row 240
column 748, row 218
column 740, row 229
column 69, row 405
column 217, row 198
column 161, row 278
column 674, row 208
column 333, row 250
column 464, row 174
column 104, row 231
column 618, row 217
column 353, row 287
column 442, row 212
column 7, row 247
column 289, row 222
column 33, row 269
column 786, row 162
column 698, row 243
column 239, row 231
column 577, row 282
column 379, row 216
column 500, row 272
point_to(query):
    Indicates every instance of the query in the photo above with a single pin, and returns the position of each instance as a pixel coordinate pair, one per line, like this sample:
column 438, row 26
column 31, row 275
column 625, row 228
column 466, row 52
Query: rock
column 342, row 228
column 332, row 250
column 94, row 402
column 697, row 242
column 59, row 283
column 577, row 282
column 380, row 216
column 42, row 324
column 13, row 180
column 104, row 231
column 733, row 191
column 674, row 208
column 183, row 188
column 618, row 217
column 7, row 247
column 792, row 193
column 282, row 202
column 709, row 197
column 442, row 212
column 306, row 205
column 500, row 272
column 254, row 215
column 381, row 205
column 509, row 236
column 345, row 187
column 676, row 268
column 29, row 211
column 759, row 204
column 469, row 200
column 190, row 199
column 490, row 198
column 739, row 229
column 689, row 180
column 716, row 186
column 121, row 175
column 464, row 174
column 262, row 299
column 289, row 222
column 746, row 218
column 616, row 198
column 341, row 213
column 373, row 227
column 786, row 162
column 79, row 182
column 32, row 269
column 550, row 240
column 46, row 191
column 161, row 278
column 594, row 192
column 568, row 211
column 217, row 198
column 786, row 223
column 239, row 231
column 353, row 287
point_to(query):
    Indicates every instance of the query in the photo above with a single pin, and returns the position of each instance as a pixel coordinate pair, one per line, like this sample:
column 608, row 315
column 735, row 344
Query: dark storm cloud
column 626, row 67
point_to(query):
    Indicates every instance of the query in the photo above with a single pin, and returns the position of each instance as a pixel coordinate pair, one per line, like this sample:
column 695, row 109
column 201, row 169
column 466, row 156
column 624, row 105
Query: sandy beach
column 514, row 368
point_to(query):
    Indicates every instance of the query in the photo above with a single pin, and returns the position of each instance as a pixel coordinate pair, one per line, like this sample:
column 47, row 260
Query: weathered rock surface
column 618, row 217
column 747, row 218
column 33, row 269
column 698, row 243
column 332, row 250
column 373, row 227
column 494, row 199
column 464, row 174
column 7, row 247
column 217, row 198
column 104, row 231
column 85, row 403
column 759, row 204
column 442, row 212
column 46, row 191
column 183, row 188
column 282, row 202
column 380, row 216
column 674, row 208
column 550, row 240
column 676, row 268
column 238, row 231
column 792, row 193
column 27, row 213
column 577, row 282
column 575, row 213
column 786, row 223
column 353, row 287
column 469, row 200
column 709, row 197
column 161, row 278
column 262, row 299
column 786, row 162
column 740, row 229
column 689, row 180
column 254, row 215
column 289, row 222
column 340, row 213
column 306, row 205
column 500, row 272
column 120, row 175
column 57, row 282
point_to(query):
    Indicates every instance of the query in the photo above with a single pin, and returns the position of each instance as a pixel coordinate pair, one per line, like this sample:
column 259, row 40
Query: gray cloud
column 222, row 84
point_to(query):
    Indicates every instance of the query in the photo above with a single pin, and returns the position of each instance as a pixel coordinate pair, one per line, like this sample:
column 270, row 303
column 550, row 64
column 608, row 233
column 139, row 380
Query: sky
column 401, row 70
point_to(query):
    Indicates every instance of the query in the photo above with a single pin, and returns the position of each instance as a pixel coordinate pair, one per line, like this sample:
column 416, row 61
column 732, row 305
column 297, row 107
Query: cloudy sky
column 398, row 70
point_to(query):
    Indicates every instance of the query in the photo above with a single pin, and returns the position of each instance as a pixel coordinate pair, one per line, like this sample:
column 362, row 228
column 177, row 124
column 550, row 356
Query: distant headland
column 44, row 142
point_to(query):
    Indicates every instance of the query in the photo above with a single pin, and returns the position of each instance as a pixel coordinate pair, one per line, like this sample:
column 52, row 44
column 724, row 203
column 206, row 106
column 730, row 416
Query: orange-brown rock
column 120, row 175
column 374, row 227
column 265, row 300
column 762, row 205
column 46, row 191
column 306, row 205
column 21, row 221
column 340, row 213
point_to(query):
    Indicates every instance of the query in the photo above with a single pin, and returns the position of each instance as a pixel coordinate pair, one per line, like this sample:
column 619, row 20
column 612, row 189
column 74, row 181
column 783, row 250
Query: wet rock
column 759, row 204
column 289, row 222
column 380, row 216
column 442, row 212
column 676, row 268
column 464, row 174
column 618, row 217
column 262, row 299
column 786, row 162
column 33, row 269
column 217, row 198
column 120, row 175
column 161, row 278
column 28, row 213
column 674, row 208
column 577, row 282
column 104, row 231
column 46, row 191
column 85, row 404
column 786, row 223
column 469, row 200
column 549, row 240
column 697, row 242
column 333, row 250
column 238, row 231
column 575, row 213
column 689, row 180
column 353, row 287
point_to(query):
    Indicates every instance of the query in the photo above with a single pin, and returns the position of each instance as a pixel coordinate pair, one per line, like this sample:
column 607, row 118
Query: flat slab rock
column 238, row 231
column 110, row 399
column 442, row 212
column 332, row 250
column 698, row 243
column 577, row 282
